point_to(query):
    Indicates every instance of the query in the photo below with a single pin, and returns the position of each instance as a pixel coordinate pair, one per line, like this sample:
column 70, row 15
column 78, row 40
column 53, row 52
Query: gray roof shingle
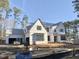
column 17, row 32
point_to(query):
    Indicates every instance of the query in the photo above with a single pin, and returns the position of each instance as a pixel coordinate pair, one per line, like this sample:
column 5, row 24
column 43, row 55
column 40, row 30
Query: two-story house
column 36, row 33
column 41, row 32
column 57, row 33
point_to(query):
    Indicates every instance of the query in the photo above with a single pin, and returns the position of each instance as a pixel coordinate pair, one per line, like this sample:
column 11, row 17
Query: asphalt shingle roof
column 17, row 32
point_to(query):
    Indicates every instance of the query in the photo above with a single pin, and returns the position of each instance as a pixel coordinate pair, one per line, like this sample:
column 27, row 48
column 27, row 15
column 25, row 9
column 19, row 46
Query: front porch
column 57, row 38
column 38, row 38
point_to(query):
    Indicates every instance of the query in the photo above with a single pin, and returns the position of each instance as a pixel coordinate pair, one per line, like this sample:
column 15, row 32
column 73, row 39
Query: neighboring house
column 15, row 35
column 8, row 27
column 36, row 33
column 8, row 34
column 57, row 33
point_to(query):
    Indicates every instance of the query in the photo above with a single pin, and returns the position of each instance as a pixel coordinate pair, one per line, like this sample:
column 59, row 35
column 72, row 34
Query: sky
column 51, row 11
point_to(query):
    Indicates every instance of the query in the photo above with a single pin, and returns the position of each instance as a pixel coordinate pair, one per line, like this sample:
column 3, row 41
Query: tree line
column 19, row 18
column 71, row 29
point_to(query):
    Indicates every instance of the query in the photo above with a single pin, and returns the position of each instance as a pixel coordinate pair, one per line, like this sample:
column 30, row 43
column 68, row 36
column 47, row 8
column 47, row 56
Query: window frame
column 38, row 37
column 61, row 30
column 39, row 27
column 63, row 37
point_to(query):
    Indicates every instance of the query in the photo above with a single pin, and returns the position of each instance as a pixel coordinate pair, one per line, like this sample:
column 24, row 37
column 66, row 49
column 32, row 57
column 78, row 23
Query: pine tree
column 76, row 6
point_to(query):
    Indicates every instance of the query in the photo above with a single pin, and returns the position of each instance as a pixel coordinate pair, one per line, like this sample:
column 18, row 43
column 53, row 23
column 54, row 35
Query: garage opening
column 11, row 40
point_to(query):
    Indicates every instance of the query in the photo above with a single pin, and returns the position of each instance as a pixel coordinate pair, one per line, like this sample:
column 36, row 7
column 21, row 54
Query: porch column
column 59, row 38
column 7, row 40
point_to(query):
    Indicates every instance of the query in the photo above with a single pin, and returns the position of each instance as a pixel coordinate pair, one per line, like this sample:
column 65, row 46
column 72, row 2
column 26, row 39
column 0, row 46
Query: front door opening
column 55, row 38
column 27, row 41
column 48, row 38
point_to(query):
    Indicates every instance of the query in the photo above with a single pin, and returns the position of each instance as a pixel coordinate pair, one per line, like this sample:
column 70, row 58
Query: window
column 61, row 30
column 55, row 30
column 47, row 29
column 38, row 27
column 55, row 38
column 63, row 37
column 48, row 38
column 38, row 37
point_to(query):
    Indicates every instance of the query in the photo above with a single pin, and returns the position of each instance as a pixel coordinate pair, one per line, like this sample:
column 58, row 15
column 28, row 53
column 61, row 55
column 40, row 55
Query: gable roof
column 31, row 25
column 45, row 24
